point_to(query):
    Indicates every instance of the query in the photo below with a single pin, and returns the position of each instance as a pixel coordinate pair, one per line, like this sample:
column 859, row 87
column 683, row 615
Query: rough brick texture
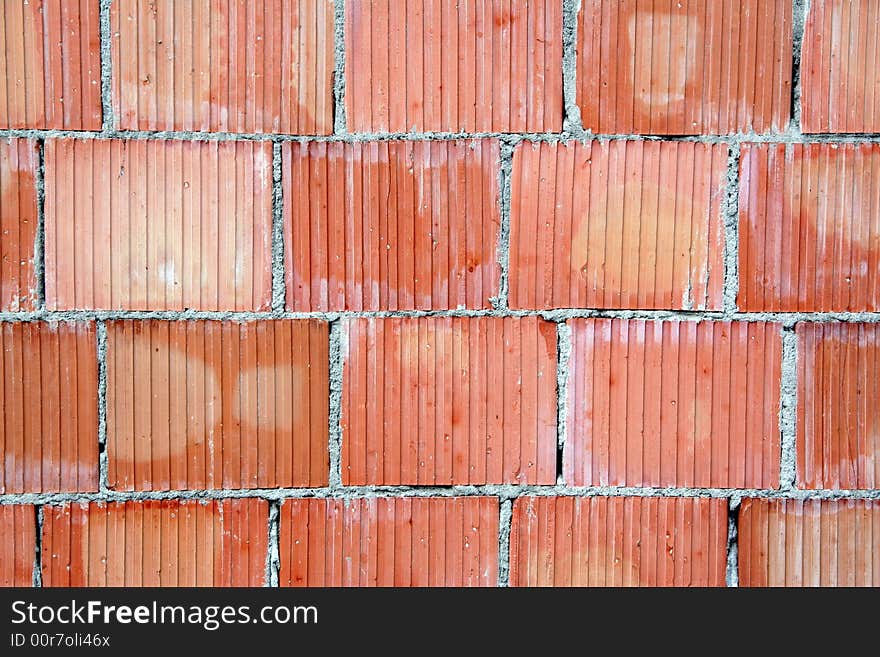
column 50, row 65
column 444, row 401
column 49, row 393
column 18, row 529
column 223, row 66
column 18, row 222
column 618, row 541
column 156, row 543
column 158, row 225
column 838, row 421
column 809, row 543
column 445, row 541
column 195, row 405
column 680, row 68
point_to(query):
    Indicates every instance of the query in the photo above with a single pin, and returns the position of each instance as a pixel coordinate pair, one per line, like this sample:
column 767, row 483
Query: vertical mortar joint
column 340, row 126
column 800, row 10
column 730, row 217
column 502, row 302
column 788, row 410
column 103, row 464
column 108, row 120
column 563, row 355
column 39, row 293
column 505, row 515
column 279, row 284
column 572, row 122
column 732, row 569
column 37, row 575
column 273, row 555
column 337, row 345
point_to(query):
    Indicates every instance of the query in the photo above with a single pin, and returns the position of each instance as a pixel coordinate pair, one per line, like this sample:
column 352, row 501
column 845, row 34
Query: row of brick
column 172, row 225
column 434, row 401
column 443, row 541
column 650, row 68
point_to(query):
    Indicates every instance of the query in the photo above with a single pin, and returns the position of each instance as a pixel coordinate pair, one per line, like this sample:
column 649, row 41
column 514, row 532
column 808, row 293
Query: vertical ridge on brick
column 481, row 66
column 158, row 225
column 688, row 67
column 838, row 421
column 618, row 541
column 809, row 227
column 19, row 161
column 212, row 65
column 839, row 67
column 49, row 396
column 156, row 543
column 617, row 224
column 449, row 400
column 204, row 404
column 809, row 543
column 417, row 541
column 18, row 531
column 399, row 225
column 50, row 68
column 673, row 403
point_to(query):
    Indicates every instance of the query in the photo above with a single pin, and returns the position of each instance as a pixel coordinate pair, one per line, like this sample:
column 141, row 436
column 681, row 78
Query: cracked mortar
column 788, row 409
column 273, row 554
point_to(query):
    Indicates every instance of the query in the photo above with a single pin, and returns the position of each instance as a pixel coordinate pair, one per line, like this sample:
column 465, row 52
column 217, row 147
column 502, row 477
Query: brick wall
column 445, row 293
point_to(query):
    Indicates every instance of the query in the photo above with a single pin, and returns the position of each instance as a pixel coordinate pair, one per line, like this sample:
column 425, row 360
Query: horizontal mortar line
column 560, row 314
column 789, row 137
column 502, row 491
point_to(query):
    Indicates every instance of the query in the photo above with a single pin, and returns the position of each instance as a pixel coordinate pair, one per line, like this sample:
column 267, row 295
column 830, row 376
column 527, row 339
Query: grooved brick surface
column 839, row 67
column 449, row 400
column 49, row 396
column 18, row 528
column 440, row 541
column 809, row 227
column 617, row 541
column 158, row 225
column 688, row 67
column 477, row 66
column 809, row 543
column 619, row 224
column 195, row 405
column 19, row 161
column 669, row 403
column 223, row 66
column 156, row 543
column 838, row 419
column 50, row 65
column 398, row 225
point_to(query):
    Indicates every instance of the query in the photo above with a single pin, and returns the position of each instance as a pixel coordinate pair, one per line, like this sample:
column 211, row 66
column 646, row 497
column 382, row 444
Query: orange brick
column 838, row 421
column 809, row 543
column 839, row 71
column 158, row 225
column 481, row 66
column 707, row 67
column 49, row 394
column 620, row 224
column 391, row 225
column 669, row 403
column 419, row 541
column 50, row 65
column 18, row 529
column 196, row 405
column 18, row 221
column 618, row 541
column 809, row 226
column 156, row 543
column 449, row 400
column 223, row 66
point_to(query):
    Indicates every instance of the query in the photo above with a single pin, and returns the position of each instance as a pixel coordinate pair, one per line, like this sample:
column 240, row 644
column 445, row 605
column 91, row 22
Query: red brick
column 685, row 67
column 50, row 65
column 18, row 529
column 809, row 226
column 223, row 66
column 49, row 395
column 158, row 225
column 449, row 400
column 838, row 421
column 839, row 67
column 673, row 403
column 618, row 541
column 619, row 224
column 18, row 221
column 419, row 541
column 809, row 543
column 156, row 543
column 480, row 66
column 391, row 225
column 196, row 405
